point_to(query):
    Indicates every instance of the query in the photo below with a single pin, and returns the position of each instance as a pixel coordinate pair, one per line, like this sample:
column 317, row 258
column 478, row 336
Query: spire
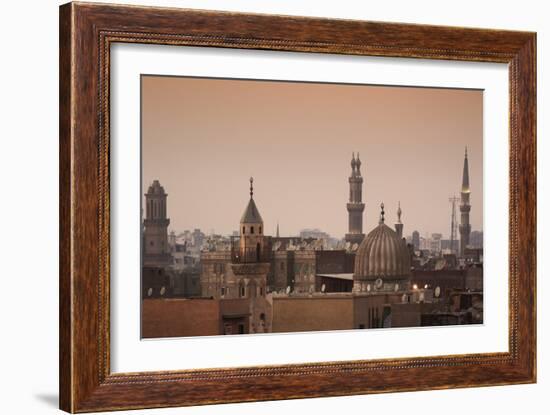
column 465, row 173
column 277, row 229
column 399, row 212
column 381, row 214
column 353, row 164
column 251, row 187
column 251, row 214
column 358, row 163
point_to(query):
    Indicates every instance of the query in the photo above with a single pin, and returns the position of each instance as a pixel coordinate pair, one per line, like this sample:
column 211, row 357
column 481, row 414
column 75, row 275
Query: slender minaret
column 277, row 229
column 465, row 226
column 355, row 205
column 399, row 224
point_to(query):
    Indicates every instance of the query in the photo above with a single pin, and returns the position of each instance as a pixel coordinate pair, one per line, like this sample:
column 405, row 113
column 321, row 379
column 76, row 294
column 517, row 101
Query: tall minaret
column 465, row 226
column 156, row 250
column 250, row 265
column 399, row 224
column 355, row 205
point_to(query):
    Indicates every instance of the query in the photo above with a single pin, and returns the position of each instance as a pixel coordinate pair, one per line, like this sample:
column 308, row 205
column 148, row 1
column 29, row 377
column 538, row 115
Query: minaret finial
column 381, row 214
column 466, row 151
column 358, row 163
column 251, row 187
column 399, row 212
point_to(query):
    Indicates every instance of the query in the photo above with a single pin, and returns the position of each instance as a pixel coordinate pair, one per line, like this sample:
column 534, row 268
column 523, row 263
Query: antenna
column 453, row 201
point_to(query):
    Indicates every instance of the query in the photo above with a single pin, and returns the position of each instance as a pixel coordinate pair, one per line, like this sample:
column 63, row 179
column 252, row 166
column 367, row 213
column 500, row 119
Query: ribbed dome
column 382, row 254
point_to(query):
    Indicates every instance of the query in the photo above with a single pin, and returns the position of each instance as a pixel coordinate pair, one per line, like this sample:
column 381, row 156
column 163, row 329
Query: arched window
column 244, row 230
column 260, row 230
column 252, row 229
column 258, row 248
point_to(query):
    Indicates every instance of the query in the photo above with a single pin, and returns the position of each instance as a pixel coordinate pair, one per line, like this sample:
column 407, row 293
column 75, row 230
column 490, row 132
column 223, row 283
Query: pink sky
column 204, row 138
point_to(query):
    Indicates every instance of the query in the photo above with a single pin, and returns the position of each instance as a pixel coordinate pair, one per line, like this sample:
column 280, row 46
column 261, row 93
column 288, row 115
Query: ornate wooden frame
column 86, row 33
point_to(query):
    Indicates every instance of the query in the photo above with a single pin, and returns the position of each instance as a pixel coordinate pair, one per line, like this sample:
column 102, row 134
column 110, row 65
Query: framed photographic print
column 259, row 207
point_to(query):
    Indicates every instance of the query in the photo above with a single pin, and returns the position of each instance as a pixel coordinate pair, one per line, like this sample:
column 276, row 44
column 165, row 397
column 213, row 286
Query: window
column 244, row 229
column 252, row 229
column 223, row 291
column 261, row 291
column 260, row 229
column 242, row 291
column 241, row 328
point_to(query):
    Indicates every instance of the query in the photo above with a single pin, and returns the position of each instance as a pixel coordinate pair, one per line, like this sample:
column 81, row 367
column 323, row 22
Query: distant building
column 416, row 240
column 435, row 243
column 312, row 233
column 476, row 239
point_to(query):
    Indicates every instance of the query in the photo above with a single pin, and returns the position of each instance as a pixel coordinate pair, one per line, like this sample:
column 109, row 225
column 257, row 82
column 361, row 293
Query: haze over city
column 203, row 139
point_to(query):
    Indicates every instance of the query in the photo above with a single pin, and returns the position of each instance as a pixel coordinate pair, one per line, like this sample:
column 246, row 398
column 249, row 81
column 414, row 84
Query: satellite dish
column 379, row 283
column 368, row 287
column 288, row 289
column 404, row 298
column 437, row 292
column 323, row 288
column 162, row 290
column 149, row 292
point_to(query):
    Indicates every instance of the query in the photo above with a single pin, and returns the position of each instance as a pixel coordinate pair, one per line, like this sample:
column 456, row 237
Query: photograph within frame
column 422, row 152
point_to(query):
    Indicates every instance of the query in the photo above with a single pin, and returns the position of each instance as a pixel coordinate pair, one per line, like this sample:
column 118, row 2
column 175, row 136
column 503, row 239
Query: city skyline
column 312, row 165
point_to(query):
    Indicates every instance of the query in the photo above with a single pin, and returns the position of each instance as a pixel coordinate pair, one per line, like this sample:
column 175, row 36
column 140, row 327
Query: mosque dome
column 382, row 254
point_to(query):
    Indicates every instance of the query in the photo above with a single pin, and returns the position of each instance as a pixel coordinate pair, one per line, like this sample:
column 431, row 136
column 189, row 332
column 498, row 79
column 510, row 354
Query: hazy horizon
column 203, row 138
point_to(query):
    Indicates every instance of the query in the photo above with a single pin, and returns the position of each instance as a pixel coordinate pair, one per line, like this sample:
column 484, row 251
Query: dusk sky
column 203, row 139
